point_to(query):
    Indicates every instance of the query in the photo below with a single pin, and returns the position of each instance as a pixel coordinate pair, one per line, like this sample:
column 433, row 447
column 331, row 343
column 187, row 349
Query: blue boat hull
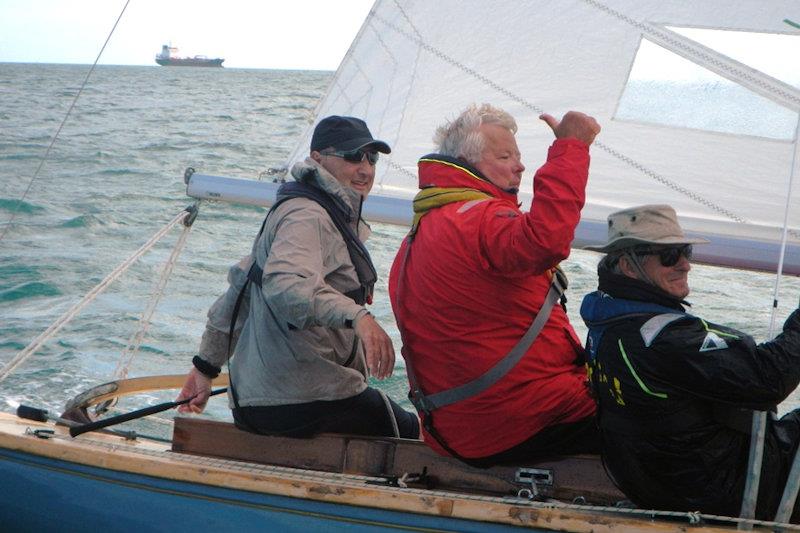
column 43, row 494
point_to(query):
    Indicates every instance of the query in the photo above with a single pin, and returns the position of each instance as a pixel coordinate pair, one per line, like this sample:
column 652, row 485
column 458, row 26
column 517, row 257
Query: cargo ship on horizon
column 168, row 57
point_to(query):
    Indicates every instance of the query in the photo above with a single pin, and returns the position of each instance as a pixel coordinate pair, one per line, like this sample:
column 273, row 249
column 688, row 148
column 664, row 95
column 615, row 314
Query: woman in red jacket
column 471, row 277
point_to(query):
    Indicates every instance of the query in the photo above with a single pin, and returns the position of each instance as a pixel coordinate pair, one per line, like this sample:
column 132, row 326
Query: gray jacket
column 293, row 341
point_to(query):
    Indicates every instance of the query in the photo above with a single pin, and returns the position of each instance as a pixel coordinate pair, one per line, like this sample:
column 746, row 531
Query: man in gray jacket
column 303, row 342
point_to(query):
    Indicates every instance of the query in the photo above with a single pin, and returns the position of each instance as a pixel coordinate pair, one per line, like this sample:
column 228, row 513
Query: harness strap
column 499, row 369
column 359, row 295
column 427, row 404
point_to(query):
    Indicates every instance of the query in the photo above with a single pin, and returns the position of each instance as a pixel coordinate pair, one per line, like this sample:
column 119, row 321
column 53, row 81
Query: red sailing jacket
column 476, row 275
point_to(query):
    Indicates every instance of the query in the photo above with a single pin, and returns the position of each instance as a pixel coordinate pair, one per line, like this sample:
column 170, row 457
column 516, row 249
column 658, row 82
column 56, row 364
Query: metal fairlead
column 193, row 211
column 536, row 477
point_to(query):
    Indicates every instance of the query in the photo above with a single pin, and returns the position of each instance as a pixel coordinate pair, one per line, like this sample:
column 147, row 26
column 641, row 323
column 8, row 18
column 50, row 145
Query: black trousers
column 363, row 414
column 582, row 436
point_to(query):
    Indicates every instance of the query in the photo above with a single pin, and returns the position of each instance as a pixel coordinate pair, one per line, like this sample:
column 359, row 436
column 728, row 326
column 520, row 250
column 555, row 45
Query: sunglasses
column 356, row 156
column 668, row 256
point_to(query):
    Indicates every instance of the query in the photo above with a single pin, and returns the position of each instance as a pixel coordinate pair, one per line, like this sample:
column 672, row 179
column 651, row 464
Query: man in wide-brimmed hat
column 674, row 391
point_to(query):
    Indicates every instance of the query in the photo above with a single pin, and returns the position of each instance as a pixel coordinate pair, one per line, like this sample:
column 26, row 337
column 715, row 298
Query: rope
column 58, row 131
column 132, row 349
column 91, row 295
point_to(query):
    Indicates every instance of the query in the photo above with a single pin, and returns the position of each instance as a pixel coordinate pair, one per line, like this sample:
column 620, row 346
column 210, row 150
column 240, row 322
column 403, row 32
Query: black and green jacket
column 675, row 395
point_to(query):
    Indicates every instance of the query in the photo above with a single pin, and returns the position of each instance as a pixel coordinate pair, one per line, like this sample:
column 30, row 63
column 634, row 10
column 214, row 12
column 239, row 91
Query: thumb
column 550, row 120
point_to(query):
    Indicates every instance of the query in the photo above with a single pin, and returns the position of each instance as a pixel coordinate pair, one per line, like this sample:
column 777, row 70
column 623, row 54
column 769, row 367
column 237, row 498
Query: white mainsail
column 417, row 63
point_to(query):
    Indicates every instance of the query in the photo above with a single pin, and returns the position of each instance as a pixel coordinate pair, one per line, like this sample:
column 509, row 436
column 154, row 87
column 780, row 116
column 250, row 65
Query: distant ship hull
column 189, row 62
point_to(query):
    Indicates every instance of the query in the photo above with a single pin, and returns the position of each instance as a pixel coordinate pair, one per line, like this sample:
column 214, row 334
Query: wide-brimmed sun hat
column 644, row 224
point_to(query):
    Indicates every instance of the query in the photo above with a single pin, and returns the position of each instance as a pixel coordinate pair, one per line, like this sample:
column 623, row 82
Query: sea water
column 114, row 177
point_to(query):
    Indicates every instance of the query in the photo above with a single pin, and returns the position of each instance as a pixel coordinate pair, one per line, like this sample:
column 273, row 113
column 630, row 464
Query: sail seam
column 411, row 83
column 387, row 51
column 706, row 57
column 400, row 168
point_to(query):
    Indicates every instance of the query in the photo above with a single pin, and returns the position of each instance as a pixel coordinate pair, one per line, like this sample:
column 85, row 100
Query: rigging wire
column 91, row 295
column 132, row 348
column 791, row 487
column 42, row 160
column 759, row 423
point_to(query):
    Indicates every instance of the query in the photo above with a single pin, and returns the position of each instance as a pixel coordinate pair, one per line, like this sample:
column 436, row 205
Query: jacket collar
column 436, row 170
column 312, row 173
column 620, row 286
column 349, row 200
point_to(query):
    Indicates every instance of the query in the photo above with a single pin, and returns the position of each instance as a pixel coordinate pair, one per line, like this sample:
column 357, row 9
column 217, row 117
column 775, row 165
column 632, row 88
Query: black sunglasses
column 668, row 256
column 356, row 156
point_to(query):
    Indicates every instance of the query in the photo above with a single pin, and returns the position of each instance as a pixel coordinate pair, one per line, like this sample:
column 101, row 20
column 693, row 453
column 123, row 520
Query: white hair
column 462, row 137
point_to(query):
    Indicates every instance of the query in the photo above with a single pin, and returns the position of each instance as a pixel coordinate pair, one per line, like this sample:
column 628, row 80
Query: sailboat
column 411, row 65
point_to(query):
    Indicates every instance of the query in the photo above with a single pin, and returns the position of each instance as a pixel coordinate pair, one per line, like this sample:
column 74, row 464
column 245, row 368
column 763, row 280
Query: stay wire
column 759, row 422
column 16, row 209
column 91, row 295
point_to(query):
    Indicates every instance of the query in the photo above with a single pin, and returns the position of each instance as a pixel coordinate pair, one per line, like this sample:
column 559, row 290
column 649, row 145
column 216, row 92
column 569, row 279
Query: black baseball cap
column 345, row 134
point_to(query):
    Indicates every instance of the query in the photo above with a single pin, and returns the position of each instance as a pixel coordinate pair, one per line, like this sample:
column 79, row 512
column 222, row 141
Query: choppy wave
column 119, row 172
column 20, row 206
column 82, row 221
column 32, row 289
column 18, row 157
column 14, row 346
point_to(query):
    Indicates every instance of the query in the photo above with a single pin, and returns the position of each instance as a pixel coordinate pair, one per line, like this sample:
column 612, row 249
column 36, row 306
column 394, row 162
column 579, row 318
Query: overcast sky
column 285, row 34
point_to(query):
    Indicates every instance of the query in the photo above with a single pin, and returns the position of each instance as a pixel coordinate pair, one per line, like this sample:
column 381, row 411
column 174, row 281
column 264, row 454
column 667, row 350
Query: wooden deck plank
column 573, row 476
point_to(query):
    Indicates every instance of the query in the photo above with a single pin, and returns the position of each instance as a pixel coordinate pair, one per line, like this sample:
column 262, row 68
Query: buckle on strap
column 560, row 283
column 560, row 279
column 420, row 401
column 496, row 371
